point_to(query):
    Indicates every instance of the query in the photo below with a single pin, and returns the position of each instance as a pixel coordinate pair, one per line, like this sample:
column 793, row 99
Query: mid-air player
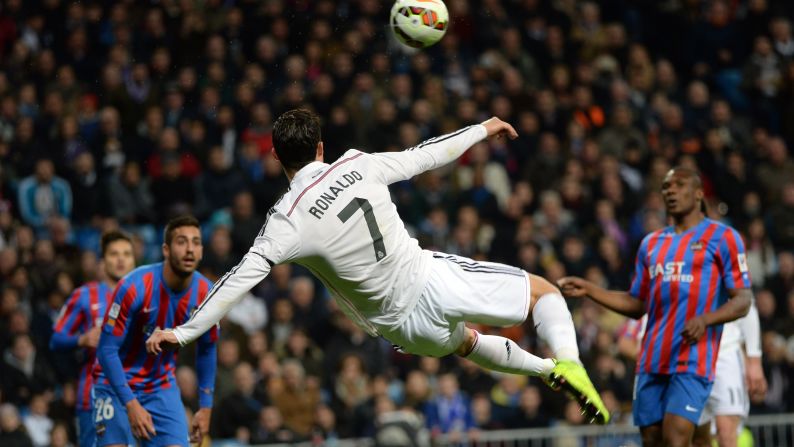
column 338, row 221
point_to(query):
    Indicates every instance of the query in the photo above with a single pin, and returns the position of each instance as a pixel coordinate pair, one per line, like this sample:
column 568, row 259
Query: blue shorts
column 683, row 394
column 86, row 435
column 165, row 406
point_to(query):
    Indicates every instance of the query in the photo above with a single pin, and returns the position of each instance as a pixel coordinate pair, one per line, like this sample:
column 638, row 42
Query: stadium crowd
column 122, row 114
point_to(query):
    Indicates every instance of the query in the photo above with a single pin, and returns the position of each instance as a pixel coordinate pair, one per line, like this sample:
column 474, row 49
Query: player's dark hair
column 178, row 222
column 111, row 237
column 296, row 134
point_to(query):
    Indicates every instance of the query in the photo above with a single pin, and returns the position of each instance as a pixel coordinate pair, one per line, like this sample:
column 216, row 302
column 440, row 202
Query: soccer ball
column 419, row 23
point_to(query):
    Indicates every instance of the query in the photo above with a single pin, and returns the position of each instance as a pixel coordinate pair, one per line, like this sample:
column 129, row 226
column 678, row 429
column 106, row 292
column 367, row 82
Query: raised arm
column 437, row 151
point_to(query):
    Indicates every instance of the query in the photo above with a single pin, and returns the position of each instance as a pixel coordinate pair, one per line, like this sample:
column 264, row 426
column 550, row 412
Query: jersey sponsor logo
column 325, row 200
column 670, row 272
column 742, row 261
column 696, row 246
column 114, row 310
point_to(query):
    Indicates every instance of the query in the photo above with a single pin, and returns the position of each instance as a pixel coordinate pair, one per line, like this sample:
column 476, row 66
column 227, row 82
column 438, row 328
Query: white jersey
column 338, row 221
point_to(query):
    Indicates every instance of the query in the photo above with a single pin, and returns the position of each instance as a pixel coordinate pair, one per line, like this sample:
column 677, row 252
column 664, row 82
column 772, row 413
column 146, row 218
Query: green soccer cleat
column 571, row 377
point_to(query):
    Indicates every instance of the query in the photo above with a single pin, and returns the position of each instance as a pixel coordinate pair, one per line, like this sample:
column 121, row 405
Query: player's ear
column 166, row 250
column 320, row 151
column 275, row 155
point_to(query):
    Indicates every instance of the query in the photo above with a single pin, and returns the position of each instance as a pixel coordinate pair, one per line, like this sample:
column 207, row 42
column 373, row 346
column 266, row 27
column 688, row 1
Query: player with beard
column 80, row 322
column 690, row 278
column 135, row 391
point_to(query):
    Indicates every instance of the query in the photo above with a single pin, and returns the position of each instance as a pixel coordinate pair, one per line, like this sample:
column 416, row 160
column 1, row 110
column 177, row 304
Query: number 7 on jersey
column 372, row 224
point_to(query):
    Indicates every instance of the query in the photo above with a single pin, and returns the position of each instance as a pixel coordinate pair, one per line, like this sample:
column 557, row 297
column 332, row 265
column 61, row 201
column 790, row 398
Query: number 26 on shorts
column 104, row 409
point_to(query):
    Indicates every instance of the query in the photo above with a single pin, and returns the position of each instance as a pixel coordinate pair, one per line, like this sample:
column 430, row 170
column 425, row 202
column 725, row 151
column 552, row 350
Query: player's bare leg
column 702, row 436
column 728, row 430
column 651, row 435
column 677, row 431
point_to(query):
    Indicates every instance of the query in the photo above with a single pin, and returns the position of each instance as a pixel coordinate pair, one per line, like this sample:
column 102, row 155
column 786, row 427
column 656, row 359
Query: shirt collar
column 308, row 171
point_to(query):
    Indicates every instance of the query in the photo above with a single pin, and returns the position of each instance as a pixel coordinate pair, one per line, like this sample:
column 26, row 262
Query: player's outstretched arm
column 618, row 301
column 227, row 292
column 437, row 151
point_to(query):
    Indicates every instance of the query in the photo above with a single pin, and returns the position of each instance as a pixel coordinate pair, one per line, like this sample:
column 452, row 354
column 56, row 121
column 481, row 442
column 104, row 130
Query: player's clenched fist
column 159, row 340
column 495, row 126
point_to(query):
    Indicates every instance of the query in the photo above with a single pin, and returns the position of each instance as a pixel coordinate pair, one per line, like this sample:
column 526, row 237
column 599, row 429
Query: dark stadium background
column 148, row 109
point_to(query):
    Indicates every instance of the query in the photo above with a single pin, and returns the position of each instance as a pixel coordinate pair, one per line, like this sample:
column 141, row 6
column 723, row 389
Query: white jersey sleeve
column 750, row 326
column 277, row 242
column 433, row 153
column 745, row 330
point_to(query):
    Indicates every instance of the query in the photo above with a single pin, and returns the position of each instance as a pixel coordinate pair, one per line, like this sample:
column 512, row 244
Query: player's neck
column 110, row 283
column 175, row 283
column 688, row 221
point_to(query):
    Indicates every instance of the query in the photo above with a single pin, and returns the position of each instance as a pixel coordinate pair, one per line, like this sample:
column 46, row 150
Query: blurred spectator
column 240, row 409
column 44, row 195
column 297, row 398
column 12, row 432
column 450, row 412
column 37, row 423
column 25, row 372
column 129, row 196
column 270, row 429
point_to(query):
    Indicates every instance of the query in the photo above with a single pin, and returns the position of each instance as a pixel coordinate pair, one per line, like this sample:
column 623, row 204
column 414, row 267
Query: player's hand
column 694, row 330
column 496, row 127
column 201, row 425
column 140, row 420
column 91, row 338
column 574, row 287
column 756, row 381
column 161, row 339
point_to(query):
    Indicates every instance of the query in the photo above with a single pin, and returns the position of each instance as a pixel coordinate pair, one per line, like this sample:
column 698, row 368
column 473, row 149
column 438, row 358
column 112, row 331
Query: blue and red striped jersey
column 85, row 309
column 680, row 276
column 142, row 302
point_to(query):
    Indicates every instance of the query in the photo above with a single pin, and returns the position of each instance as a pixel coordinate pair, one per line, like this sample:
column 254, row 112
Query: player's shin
column 554, row 325
column 504, row 355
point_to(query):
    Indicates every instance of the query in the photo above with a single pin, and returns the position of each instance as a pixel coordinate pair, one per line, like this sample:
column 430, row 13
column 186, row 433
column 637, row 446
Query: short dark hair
column 179, row 222
column 296, row 134
column 110, row 237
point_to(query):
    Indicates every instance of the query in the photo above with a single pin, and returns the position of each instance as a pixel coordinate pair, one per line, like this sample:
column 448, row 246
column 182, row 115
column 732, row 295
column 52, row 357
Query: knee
column 540, row 286
column 675, row 438
column 727, row 437
column 467, row 346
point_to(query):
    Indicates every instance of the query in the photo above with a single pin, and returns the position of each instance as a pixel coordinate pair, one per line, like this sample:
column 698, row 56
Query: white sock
column 554, row 325
column 504, row 355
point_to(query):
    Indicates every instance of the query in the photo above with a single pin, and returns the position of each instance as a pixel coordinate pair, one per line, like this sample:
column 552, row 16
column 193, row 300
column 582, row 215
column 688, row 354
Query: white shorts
column 461, row 290
column 729, row 395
